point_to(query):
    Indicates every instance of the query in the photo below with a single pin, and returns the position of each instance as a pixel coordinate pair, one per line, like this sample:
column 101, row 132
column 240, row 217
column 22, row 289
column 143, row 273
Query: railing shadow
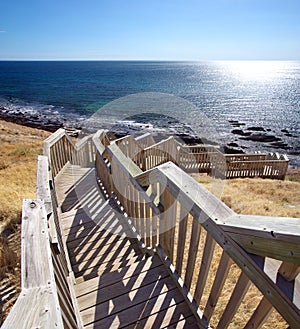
column 98, row 236
column 139, row 296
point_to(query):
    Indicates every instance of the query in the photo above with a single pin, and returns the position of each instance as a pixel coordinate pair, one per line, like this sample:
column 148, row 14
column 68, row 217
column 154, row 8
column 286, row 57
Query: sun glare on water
column 255, row 70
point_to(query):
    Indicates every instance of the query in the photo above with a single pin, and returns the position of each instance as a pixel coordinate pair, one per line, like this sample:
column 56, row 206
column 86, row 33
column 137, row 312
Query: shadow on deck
column 117, row 285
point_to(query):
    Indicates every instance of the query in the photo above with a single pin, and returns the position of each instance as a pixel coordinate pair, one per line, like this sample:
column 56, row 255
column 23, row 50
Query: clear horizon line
column 141, row 60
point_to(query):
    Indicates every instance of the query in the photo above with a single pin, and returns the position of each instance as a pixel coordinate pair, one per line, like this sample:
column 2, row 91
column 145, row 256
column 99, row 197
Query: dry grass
column 257, row 196
column 19, row 147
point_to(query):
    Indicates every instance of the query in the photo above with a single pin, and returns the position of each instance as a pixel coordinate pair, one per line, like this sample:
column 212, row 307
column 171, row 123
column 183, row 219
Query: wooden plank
column 194, row 243
column 115, row 265
column 42, row 183
column 121, row 287
column 113, row 277
column 38, row 302
column 165, row 303
column 260, row 315
column 220, row 278
column 36, row 271
column 181, row 240
column 167, row 223
column 289, row 271
column 104, row 251
column 205, row 266
column 100, row 233
column 34, row 308
column 183, row 289
column 128, row 300
column 235, row 300
column 267, row 246
column 97, row 261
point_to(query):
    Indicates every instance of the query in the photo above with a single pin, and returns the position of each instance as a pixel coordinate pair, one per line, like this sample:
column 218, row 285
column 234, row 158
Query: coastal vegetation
column 19, row 147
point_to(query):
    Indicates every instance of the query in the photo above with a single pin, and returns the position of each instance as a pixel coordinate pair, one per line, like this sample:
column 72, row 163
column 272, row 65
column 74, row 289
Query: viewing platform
column 121, row 236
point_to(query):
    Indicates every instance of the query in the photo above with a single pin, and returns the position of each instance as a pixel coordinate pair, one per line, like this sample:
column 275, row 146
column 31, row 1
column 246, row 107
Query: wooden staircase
column 117, row 285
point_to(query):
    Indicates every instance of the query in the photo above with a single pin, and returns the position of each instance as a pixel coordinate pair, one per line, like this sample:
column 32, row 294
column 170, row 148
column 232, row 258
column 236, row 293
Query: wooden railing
column 47, row 278
column 60, row 149
column 38, row 304
column 203, row 159
column 145, row 140
column 264, row 165
column 202, row 241
column 102, row 165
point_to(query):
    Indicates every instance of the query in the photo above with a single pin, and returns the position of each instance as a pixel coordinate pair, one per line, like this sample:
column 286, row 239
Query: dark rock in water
column 262, row 138
column 230, row 150
column 268, row 129
column 232, row 145
column 236, row 123
column 284, row 131
column 256, row 128
column 280, row 145
column 289, row 135
column 189, row 139
column 240, row 132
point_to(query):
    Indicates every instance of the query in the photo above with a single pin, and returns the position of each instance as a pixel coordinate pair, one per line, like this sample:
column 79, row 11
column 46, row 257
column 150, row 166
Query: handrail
column 38, row 304
column 171, row 188
column 203, row 159
column 60, row 149
column 145, row 140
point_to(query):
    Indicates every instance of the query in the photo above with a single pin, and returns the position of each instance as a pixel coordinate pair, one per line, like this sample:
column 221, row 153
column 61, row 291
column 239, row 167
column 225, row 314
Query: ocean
column 245, row 105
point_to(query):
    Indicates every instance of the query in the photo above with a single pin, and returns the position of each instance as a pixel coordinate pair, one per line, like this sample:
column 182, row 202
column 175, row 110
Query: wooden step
column 114, row 276
column 101, row 261
column 114, row 265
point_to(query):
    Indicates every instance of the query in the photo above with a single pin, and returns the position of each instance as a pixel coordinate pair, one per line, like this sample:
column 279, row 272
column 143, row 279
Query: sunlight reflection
column 255, row 70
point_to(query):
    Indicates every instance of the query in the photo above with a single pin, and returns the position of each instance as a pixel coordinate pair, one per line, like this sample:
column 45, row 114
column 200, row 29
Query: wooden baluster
column 181, row 239
column 136, row 210
column 236, row 298
column 148, row 225
column 195, row 238
column 205, row 265
column 221, row 275
column 260, row 315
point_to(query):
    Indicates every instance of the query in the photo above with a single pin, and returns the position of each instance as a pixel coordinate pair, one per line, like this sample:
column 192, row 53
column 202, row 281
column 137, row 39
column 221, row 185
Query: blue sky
column 151, row 30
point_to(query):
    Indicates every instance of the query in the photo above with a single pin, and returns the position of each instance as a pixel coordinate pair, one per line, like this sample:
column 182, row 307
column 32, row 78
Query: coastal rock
column 284, row 131
column 230, row 150
column 262, row 138
column 236, row 123
column 232, row 144
column 280, row 145
column 256, row 128
column 31, row 120
column 240, row 132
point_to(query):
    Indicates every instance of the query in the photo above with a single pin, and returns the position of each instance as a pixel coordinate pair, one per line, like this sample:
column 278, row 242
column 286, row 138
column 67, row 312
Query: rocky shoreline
column 260, row 135
column 240, row 131
column 36, row 120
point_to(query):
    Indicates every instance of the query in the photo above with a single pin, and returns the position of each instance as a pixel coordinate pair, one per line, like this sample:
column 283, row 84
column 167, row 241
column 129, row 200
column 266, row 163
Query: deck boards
column 117, row 285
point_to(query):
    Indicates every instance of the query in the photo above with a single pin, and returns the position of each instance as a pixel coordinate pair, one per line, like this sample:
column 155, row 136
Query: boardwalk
column 119, row 236
column 117, row 285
